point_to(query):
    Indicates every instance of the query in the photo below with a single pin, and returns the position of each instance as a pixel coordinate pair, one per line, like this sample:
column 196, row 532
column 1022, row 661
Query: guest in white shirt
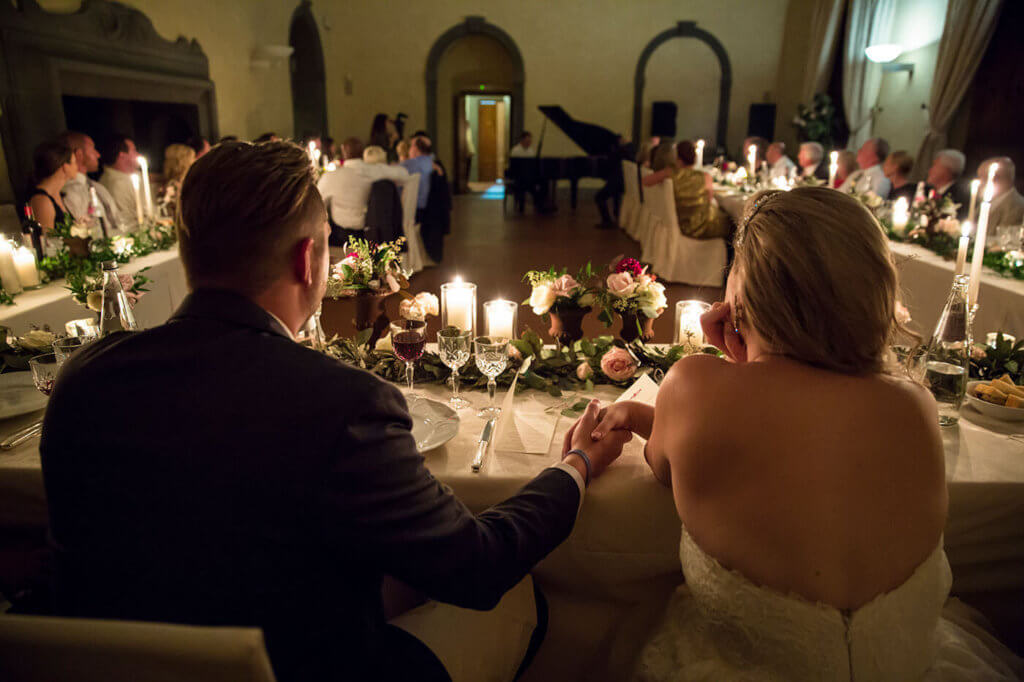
column 524, row 147
column 76, row 193
column 943, row 176
column 809, row 159
column 780, row 165
column 121, row 161
column 870, row 177
column 346, row 191
column 1007, row 204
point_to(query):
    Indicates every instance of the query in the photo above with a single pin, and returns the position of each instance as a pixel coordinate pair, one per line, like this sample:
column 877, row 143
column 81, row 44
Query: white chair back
column 674, row 256
column 410, row 192
column 415, row 257
column 38, row 649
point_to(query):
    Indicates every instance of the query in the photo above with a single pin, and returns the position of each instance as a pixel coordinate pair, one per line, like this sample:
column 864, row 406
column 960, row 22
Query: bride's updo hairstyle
column 818, row 284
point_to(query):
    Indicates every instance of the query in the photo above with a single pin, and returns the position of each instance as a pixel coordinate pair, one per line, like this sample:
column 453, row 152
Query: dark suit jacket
column 384, row 212
column 958, row 195
column 213, row 471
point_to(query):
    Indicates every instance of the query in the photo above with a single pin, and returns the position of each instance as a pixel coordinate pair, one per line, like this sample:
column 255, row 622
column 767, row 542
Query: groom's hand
column 601, row 452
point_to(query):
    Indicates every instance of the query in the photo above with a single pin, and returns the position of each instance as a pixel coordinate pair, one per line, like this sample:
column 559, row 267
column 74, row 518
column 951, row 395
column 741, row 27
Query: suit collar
column 231, row 307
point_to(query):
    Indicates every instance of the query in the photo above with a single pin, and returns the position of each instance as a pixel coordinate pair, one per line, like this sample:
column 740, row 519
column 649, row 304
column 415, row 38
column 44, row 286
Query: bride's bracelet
column 586, row 463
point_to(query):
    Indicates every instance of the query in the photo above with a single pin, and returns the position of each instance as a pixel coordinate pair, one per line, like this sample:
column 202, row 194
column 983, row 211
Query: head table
column 607, row 583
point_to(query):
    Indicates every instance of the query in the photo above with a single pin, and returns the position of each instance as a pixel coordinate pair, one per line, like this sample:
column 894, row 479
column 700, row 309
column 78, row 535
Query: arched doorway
column 684, row 29
column 309, row 88
column 474, row 80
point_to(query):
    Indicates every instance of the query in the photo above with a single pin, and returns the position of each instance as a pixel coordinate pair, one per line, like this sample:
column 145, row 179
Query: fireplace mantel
column 105, row 49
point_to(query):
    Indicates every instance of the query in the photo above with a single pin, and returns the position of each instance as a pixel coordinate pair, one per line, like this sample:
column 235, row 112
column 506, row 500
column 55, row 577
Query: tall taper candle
column 979, row 238
column 8, row 273
column 138, row 198
column 975, row 185
column 147, row 193
column 961, row 252
column 833, row 168
column 700, row 153
column 752, row 160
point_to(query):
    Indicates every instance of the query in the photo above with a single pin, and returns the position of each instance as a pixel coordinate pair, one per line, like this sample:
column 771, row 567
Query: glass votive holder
column 500, row 319
column 85, row 327
column 458, row 305
column 688, row 329
column 990, row 338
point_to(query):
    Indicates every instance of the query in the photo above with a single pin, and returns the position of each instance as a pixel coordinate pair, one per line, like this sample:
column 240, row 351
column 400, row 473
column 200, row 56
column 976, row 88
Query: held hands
column 720, row 332
column 602, row 451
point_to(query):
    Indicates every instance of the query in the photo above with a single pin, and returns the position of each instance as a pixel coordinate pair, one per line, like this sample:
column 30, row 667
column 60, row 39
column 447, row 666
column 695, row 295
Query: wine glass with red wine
column 44, row 372
column 409, row 339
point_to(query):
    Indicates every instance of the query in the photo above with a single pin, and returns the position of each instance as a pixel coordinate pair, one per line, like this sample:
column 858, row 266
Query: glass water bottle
column 115, row 312
column 946, row 361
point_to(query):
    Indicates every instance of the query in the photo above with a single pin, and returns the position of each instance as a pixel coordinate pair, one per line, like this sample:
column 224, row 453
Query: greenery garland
column 1006, row 263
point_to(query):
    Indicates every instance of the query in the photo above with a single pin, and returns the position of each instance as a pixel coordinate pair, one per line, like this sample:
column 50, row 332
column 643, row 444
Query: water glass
column 409, row 339
column 454, row 348
column 64, row 348
column 44, row 372
column 491, row 360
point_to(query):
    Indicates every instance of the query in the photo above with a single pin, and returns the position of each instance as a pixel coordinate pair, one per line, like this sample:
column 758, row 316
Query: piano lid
column 595, row 140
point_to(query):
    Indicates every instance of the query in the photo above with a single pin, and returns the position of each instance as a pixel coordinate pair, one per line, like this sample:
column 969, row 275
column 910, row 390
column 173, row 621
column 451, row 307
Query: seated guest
column 810, row 160
column 178, row 158
column 647, row 147
column 267, row 137
column 870, row 177
column 696, row 212
column 120, row 162
column 228, row 138
column 421, row 160
column 77, row 193
column 351, row 149
column 402, row 150
column 524, row 147
column 779, row 165
column 615, row 184
column 1007, row 202
column 199, row 144
column 53, row 167
column 812, row 517
column 943, row 176
column 278, row 485
column 897, row 168
column 663, row 158
column 846, row 165
column 346, row 190
column 330, row 149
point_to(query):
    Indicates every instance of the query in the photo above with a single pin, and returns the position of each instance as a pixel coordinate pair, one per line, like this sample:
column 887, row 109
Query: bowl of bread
column 999, row 398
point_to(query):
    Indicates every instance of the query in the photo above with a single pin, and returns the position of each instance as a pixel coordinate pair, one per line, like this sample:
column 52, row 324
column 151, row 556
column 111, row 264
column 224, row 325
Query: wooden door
column 487, row 142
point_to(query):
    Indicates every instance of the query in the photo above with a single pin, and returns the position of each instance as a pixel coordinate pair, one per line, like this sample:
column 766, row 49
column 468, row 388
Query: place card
column 643, row 390
column 528, row 430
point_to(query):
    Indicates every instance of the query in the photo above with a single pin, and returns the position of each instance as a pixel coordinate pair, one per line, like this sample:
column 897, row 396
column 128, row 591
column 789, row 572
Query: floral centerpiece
column 562, row 300
column 816, row 123
column 636, row 295
column 369, row 273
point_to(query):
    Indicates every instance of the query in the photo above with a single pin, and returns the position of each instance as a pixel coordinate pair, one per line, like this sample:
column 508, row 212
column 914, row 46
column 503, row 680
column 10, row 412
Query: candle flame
column 457, row 280
column 834, row 156
column 975, row 184
column 700, row 144
column 965, row 229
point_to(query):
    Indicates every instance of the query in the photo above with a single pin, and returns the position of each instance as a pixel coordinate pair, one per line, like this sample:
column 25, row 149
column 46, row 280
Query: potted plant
column 368, row 274
column 562, row 300
column 636, row 296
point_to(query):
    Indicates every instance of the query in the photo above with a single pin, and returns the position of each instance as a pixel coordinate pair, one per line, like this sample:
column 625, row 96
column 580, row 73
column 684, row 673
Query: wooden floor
column 493, row 250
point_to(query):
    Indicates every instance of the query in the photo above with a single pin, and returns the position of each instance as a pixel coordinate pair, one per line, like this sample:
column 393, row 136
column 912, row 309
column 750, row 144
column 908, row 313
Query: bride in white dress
column 809, row 478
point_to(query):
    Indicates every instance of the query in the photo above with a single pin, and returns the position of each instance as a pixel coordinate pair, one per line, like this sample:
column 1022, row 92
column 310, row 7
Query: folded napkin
column 524, row 426
column 643, row 390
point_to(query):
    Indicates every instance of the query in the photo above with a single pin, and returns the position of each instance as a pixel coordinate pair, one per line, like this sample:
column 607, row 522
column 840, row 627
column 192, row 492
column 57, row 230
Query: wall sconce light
column 885, row 54
column 265, row 56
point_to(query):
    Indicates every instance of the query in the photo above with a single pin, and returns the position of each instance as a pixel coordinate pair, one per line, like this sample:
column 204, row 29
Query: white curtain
column 969, row 28
column 822, row 36
column 868, row 23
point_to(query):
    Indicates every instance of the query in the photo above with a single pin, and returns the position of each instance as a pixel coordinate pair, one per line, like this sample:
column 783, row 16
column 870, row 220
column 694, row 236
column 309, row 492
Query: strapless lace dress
column 721, row 626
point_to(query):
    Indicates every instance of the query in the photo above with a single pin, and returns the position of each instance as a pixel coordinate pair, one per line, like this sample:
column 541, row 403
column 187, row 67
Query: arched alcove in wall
column 309, row 86
column 685, row 29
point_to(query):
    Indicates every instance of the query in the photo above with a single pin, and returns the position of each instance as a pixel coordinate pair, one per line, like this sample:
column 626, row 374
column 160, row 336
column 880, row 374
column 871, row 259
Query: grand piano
column 599, row 144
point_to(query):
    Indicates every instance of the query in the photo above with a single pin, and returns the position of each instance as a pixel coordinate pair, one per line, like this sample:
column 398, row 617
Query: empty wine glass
column 64, row 348
column 44, row 372
column 453, row 345
column 409, row 339
column 491, row 360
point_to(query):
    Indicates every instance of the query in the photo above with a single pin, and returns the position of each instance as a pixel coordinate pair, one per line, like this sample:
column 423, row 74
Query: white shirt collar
column 283, row 325
column 944, row 188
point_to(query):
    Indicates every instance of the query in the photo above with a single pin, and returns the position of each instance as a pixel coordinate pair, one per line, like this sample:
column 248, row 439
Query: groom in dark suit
column 213, row 471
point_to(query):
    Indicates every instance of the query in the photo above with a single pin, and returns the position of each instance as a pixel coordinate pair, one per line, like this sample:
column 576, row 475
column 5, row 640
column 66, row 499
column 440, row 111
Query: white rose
column 542, row 298
column 384, row 344
column 411, row 309
column 652, row 300
column 80, row 231
column 429, row 303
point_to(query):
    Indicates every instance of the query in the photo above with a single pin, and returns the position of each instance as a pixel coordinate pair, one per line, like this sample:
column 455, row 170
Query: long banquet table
column 926, row 279
column 607, row 583
column 51, row 305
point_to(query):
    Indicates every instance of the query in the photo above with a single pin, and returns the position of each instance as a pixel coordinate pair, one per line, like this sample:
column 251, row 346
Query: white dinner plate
column 1001, row 412
column 18, row 395
column 433, row 423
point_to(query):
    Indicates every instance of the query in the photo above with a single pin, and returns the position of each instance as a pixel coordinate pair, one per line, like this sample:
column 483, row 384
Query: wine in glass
column 491, row 360
column 453, row 345
column 44, row 372
column 409, row 339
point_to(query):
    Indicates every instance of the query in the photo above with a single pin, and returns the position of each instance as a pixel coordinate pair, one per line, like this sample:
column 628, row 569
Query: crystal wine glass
column 453, row 345
column 65, row 347
column 44, row 372
column 491, row 360
column 409, row 339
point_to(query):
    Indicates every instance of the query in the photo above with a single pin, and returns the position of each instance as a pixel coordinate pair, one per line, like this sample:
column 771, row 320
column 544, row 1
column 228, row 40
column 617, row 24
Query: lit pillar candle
column 314, row 153
column 961, row 252
column 500, row 316
column 25, row 264
column 147, row 192
column 97, row 210
column 700, row 153
column 833, row 168
column 900, row 215
column 752, row 160
column 975, row 185
column 979, row 237
column 458, row 305
column 8, row 273
column 138, row 198
column 688, row 329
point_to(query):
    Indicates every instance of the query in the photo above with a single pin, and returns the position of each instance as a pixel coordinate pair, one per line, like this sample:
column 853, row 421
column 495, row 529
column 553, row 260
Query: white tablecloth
column 52, row 304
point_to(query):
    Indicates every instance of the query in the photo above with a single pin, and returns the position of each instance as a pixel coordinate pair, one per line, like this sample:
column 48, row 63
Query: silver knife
column 19, row 437
column 481, row 446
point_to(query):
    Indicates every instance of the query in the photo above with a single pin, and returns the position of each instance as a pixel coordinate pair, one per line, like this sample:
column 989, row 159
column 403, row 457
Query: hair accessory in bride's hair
column 764, row 198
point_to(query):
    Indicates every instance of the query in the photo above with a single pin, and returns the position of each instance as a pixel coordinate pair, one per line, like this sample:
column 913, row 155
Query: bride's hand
column 720, row 332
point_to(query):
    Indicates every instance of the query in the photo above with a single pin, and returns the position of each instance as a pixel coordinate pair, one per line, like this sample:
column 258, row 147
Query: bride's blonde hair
column 819, row 284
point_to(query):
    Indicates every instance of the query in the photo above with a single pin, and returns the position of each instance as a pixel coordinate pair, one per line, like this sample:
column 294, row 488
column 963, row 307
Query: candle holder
column 500, row 318
column 458, row 306
column 688, row 329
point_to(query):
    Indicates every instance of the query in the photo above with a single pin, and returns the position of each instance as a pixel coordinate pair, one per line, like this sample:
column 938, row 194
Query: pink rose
column 618, row 364
column 514, row 353
column 564, row 285
column 584, row 371
column 621, row 284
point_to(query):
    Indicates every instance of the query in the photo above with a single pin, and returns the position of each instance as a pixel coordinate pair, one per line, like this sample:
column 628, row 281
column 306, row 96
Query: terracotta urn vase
column 633, row 323
column 355, row 310
column 567, row 325
column 77, row 247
